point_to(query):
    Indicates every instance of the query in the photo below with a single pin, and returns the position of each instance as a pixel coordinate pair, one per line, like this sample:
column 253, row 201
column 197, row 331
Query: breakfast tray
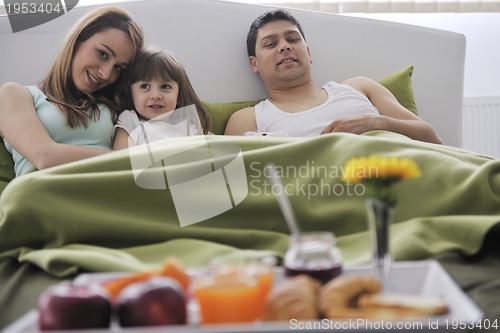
column 426, row 278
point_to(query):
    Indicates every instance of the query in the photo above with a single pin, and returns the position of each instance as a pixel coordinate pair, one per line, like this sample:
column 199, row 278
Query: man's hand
column 357, row 124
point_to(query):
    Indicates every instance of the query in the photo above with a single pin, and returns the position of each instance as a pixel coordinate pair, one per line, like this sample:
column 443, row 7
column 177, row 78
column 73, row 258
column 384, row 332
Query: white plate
column 426, row 278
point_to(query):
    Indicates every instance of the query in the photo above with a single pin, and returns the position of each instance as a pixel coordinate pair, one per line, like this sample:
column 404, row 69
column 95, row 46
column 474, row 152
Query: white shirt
column 343, row 101
column 167, row 125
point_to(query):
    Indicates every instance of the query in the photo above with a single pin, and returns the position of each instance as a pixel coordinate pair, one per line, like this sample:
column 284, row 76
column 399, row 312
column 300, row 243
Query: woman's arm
column 393, row 116
column 22, row 128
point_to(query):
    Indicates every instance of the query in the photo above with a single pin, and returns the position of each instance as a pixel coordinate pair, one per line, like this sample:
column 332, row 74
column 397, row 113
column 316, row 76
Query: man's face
column 281, row 53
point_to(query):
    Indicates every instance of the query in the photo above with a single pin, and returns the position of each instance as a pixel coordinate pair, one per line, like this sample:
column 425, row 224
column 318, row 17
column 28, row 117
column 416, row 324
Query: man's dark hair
column 269, row 16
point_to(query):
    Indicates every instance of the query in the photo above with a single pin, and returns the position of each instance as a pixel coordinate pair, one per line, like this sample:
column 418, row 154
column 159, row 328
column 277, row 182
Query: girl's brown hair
column 161, row 65
column 58, row 84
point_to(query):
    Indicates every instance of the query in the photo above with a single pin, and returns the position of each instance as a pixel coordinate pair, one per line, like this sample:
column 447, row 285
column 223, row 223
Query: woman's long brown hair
column 58, row 84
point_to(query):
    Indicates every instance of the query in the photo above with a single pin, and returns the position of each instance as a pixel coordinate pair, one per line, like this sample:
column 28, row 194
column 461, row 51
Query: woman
column 70, row 114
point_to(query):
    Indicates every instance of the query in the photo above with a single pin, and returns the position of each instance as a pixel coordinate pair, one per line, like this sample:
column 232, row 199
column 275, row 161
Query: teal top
column 98, row 133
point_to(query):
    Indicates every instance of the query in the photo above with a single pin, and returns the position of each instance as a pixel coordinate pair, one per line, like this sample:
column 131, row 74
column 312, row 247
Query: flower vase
column 380, row 217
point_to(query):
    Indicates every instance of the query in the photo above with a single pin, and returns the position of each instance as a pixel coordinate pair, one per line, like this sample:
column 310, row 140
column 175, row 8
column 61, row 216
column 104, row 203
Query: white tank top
column 343, row 101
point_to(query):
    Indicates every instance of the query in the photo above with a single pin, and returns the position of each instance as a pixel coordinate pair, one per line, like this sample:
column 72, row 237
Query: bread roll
column 345, row 297
column 294, row 298
column 417, row 304
column 343, row 292
column 370, row 313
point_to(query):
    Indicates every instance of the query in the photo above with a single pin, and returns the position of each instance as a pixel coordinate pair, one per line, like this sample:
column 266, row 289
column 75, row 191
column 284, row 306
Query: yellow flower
column 379, row 173
column 358, row 169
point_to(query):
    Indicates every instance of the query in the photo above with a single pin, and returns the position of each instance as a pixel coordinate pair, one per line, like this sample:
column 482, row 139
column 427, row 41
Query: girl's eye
column 144, row 86
column 165, row 87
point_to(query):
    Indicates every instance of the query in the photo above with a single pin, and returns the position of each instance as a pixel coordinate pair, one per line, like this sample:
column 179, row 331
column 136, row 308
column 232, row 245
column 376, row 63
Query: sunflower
column 378, row 174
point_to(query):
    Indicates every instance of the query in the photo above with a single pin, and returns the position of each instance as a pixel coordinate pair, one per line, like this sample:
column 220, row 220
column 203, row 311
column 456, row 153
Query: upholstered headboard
column 209, row 38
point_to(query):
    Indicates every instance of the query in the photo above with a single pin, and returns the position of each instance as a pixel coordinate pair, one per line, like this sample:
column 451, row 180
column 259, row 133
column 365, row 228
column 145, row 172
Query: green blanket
column 93, row 216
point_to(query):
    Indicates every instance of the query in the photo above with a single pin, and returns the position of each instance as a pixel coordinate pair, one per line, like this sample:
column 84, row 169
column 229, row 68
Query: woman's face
column 101, row 59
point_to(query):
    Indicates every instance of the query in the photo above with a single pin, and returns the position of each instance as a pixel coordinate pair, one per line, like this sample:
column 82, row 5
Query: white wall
column 481, row 73
column 482, row 32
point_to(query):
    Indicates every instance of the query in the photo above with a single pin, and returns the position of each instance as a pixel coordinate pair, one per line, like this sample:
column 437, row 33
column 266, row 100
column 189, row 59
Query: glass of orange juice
column 235, row 289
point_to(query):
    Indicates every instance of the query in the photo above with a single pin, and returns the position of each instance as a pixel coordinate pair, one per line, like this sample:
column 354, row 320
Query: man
column 295, row 106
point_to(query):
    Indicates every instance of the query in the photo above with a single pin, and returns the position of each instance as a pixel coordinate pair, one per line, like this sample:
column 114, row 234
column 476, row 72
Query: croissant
column 294, row 298
column 339, row 297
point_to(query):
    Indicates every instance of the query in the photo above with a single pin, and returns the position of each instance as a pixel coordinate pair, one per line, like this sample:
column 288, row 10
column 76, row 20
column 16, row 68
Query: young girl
column 160, row 102
column 69, row 116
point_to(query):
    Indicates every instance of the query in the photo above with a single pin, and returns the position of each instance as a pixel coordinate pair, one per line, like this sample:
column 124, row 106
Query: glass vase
column 380, row 217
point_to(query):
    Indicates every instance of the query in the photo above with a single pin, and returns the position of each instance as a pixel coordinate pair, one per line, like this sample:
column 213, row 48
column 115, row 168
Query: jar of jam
column 314, row 254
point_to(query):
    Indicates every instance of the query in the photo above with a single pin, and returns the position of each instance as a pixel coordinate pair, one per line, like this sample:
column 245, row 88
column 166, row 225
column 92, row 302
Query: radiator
column 481, row 125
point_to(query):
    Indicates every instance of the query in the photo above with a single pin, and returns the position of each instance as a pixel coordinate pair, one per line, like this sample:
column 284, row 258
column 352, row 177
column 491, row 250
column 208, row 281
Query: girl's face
column 153, row 98
column 99, row 60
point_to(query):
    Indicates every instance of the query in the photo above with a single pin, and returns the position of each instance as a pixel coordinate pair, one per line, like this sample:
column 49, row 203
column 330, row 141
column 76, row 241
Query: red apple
column 67, row 306
column 156, row 301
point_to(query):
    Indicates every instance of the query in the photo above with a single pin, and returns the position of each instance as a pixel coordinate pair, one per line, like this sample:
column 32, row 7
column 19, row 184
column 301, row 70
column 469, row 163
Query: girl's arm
column 121, row 139
column 22, row 128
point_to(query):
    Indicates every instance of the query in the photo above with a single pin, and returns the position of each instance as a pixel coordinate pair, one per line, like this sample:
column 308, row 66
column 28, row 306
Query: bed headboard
column 209, row 38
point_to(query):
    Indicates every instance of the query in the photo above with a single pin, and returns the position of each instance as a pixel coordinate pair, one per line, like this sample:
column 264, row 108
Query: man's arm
column 393, row 116
column 241, row 121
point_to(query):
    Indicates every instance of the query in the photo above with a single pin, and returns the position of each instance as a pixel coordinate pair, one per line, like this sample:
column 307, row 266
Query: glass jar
column 314, row 254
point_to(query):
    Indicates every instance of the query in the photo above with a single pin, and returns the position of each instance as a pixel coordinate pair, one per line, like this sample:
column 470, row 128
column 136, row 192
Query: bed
column 91, row 216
